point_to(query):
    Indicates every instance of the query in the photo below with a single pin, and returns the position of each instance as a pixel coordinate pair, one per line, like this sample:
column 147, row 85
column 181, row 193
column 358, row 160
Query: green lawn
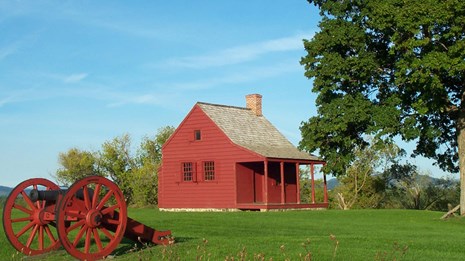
column 360, row 234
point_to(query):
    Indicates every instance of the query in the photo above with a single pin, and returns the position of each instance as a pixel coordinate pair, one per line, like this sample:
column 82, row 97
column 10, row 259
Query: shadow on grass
column 128, row 246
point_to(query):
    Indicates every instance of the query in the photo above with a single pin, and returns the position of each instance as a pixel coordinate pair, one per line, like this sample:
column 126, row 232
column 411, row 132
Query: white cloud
column 74, row 78
column 106, row 92
column 16, row 96
column 7, row 100
column 62, row 77
column 240, row 54
column 125, row 98
column 244, row 75
column 143, row 31
column 8, row 50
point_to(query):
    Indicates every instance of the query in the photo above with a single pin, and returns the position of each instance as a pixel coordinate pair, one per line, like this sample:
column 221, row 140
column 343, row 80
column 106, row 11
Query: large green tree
column 388, row 68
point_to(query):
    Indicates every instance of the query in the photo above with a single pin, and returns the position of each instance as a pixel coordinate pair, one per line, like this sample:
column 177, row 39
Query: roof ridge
column 222, row 105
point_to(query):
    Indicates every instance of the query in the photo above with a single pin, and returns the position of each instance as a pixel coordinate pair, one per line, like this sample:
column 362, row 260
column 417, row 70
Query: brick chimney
column 254, row 103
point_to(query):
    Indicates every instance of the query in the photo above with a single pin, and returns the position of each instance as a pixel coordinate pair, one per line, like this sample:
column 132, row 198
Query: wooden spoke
column 37, row 202
column 49, row 234
column 23, row 219
column 107, row 233
column 95, row 197
column 105, row 199
column 79, row 235
column 23, row 209
column 97, row 239
column 32, row 235
column 74, row 214
column 28, row 200
column 25, row 228
column 110, row 209
column 87, row 202
column 88, row 240
column 80, row 223
column 41, row 237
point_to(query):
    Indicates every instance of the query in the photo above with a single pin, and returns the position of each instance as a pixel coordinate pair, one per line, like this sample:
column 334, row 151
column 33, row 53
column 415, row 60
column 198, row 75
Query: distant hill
column 4, row 191
column 332, row 183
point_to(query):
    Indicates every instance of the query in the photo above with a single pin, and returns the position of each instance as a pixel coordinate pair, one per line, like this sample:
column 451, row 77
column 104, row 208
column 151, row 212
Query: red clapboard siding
column 214, row 146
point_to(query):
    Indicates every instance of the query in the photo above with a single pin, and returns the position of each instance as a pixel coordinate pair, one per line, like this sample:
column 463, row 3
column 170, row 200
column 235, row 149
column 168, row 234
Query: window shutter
column 194, row 171
column 200, row 176
column 181, row 172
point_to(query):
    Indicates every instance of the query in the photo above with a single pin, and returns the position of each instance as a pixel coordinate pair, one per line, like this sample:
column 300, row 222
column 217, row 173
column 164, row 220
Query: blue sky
column 79, row 73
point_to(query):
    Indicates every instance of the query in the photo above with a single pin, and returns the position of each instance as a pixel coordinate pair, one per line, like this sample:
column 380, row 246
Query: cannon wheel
column 99, row 217
column 24, row 226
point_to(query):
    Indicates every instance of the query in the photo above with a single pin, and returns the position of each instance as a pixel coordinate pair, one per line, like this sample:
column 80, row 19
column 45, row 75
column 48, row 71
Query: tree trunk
column 341, row 201
column 451, row 212
column 461, row 150
column 461, row 144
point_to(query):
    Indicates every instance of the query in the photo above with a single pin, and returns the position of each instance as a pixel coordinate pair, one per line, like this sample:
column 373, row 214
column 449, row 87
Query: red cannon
column 90, row 218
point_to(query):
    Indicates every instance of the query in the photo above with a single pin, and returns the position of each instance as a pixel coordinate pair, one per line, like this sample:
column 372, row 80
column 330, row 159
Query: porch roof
column 253, row 132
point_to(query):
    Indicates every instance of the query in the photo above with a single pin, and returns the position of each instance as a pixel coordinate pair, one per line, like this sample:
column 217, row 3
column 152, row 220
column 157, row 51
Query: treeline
column 379, row 177
column 2, row 201
column 136, row 173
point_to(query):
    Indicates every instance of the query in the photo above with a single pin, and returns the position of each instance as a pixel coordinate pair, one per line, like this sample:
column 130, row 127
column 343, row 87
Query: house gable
column 213, row 146
column 212, row 137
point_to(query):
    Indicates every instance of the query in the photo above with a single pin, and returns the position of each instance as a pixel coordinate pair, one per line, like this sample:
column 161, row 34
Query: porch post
column 312, row 173
column 265, row 183
column 297, row 177
column 283, row 181
column 325, row 187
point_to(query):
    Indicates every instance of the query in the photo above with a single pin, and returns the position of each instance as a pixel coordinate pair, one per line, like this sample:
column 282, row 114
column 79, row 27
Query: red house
column 227, row 158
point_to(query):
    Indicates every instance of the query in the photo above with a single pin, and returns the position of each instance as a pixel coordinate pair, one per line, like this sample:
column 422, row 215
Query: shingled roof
column 253, row 132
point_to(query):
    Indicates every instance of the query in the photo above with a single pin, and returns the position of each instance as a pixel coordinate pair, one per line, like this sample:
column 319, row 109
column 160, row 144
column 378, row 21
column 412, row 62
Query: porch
column 279, row 206
column 274, row 184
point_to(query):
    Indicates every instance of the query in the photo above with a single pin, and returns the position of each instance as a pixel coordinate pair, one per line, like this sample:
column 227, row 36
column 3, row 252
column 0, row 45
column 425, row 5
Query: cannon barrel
column 52, row 195
column 47, row 195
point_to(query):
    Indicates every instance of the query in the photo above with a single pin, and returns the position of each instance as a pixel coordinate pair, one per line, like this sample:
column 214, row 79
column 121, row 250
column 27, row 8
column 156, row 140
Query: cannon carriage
column 89, row 219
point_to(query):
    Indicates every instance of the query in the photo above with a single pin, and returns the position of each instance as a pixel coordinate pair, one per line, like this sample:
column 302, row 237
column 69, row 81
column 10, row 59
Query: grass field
column 326, row 235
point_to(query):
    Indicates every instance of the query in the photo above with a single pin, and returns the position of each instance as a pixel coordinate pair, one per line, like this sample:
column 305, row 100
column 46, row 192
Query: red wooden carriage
column 89, row 219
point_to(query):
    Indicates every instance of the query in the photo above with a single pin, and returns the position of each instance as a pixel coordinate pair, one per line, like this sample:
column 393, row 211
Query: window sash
column 209, row 170
column 188, row 171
